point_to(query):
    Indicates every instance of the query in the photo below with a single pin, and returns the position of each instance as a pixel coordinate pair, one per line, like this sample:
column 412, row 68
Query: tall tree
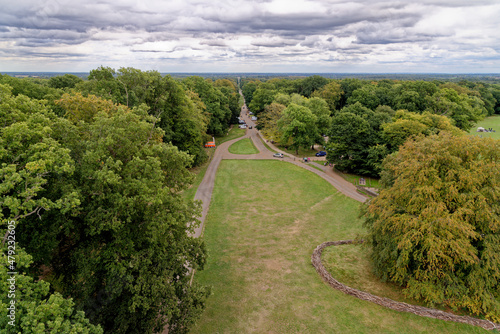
column 435, row 227
column 298, row 127
column 124, row 251
column 268, row 121
column 331, row 93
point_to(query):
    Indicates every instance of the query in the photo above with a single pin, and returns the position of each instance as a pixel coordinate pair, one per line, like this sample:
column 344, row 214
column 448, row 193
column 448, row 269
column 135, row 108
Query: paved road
column 204, row 192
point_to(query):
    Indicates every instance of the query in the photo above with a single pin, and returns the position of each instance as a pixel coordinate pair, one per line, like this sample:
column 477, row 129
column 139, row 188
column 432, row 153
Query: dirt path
column 204, row 192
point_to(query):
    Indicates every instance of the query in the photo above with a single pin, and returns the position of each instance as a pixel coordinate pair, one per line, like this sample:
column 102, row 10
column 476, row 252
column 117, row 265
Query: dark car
column 321, row 154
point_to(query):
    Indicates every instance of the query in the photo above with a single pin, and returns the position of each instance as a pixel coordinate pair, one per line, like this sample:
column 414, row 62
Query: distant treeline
column 365, row 120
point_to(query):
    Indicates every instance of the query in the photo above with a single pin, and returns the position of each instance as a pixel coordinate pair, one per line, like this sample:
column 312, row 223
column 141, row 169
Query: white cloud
column 324, row 35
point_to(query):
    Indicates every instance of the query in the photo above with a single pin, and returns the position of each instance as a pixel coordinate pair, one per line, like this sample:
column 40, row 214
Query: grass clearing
column 260, row 233
column 354, row 179
column 243, row 146
column 200, row 171
column 489, row 122
column 233, row 133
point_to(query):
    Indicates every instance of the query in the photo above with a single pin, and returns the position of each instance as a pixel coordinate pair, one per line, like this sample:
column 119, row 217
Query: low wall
column 386, row 302
column 368, row 191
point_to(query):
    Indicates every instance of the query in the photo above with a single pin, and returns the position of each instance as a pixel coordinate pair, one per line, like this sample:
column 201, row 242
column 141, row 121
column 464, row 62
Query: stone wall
column 386, row 302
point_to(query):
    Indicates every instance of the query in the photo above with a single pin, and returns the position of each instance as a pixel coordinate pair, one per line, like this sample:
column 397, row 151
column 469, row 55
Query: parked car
column 243, row 126
column 321, row 154
column 278, row 155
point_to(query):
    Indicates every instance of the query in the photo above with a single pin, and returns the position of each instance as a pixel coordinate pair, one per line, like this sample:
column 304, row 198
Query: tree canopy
column 435, row 227
column 97, row 201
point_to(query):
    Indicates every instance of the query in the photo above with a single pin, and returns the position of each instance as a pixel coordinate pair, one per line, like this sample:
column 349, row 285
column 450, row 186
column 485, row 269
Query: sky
column 277, row 36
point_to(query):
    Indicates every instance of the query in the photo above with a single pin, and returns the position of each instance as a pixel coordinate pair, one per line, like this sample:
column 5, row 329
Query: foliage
column 310, row 84
column 408, row 124
column 128, row 240
column 216, row 103
column 262, row 96
column 331, row 93
column 268, row 121
column 29, row 155
column 435, row 228
column 248, row 90
column 98, row 202
column 297, row 126
column 36, row 309
column 64, row 81
column 355, row 143
column 80, row 108
column 464, row 110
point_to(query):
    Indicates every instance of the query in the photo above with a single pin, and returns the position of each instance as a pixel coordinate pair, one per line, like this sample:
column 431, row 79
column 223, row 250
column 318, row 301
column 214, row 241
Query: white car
column 254, row 118
column 243, row 126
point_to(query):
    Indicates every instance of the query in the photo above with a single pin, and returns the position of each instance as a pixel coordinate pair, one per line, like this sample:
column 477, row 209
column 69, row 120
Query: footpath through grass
column 489, row 122
column 243, row 146
column 260, row 233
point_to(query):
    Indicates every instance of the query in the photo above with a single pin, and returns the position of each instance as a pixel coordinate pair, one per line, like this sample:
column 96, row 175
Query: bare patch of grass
column 260, row 233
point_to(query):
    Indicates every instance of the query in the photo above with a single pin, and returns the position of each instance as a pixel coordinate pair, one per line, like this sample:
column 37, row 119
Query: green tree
column 268, row 121
column 124, row 251
column 216, row 103
column 355, row 143
column 408, row 124
column 248, row 89
column 64, row 81
column 435, row 227
column 36, row 309
column 263, row 96
column 365, row 95
column 102, row 82
column 464, row 110
column 30, row 158
column 331, row 93
column 298, row 127
column 310, row 84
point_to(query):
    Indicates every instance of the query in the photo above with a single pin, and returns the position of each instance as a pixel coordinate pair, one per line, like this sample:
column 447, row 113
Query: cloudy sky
column 444, row 36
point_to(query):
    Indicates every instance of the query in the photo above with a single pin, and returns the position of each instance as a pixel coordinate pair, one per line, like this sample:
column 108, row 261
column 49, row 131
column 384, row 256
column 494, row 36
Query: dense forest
column 93, row 170
column 365, row 120
column 91, row 177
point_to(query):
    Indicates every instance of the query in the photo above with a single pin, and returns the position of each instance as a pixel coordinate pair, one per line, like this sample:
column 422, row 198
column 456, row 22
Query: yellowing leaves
column 435, row 228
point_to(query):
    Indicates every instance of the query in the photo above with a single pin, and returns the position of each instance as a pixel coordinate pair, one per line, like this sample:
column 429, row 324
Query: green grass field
column 489, row 122
column 243, row 146
column 233, row 133
column 260, row 233
column 200, row 171
column 303, row 152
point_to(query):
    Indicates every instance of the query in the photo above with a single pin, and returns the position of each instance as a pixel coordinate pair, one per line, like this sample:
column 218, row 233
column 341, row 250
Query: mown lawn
column 199, row 171
column 260, row 233
column 233, row 133
column 489, row 122
column 243, row 146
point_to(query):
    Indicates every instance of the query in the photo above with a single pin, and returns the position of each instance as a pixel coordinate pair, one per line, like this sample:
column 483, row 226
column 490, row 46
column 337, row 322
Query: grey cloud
column 339, row 29
column 219, row 43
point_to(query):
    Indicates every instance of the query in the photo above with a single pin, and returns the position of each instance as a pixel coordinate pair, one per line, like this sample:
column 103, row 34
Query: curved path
column 204, row 192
